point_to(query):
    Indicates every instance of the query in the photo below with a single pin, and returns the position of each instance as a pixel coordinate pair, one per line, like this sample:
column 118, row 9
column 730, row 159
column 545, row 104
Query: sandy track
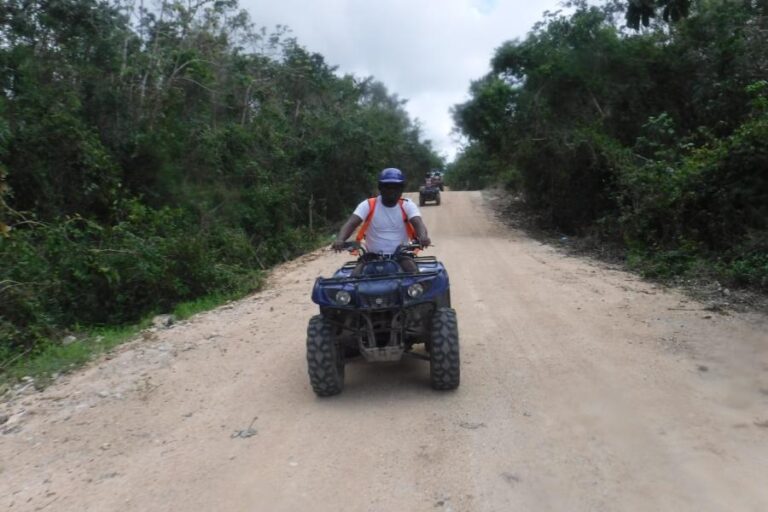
column 583, row 388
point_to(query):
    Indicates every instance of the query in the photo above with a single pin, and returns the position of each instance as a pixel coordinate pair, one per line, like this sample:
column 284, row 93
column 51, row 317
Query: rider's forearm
column 420, row 228
column 347, row 229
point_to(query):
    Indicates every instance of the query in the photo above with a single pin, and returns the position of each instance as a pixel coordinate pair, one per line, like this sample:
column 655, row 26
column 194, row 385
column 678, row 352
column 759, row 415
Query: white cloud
column 425, row 51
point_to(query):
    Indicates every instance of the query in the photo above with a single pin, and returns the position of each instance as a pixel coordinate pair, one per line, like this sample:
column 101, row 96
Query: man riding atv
column 437, row 178
column 389, row 303
column 389, row 220
column 430, row 191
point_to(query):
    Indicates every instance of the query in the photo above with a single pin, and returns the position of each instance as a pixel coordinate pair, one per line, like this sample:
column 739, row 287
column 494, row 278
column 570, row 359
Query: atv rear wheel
column 444, row 364
column 324, row 359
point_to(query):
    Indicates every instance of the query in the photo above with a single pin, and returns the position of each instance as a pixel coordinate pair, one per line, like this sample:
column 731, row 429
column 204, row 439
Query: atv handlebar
column 355, row 246
column 408, row 248
column 402, row 249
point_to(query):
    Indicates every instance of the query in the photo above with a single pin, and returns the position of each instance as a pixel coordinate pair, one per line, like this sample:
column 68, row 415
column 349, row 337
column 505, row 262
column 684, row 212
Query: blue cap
column 391, row 175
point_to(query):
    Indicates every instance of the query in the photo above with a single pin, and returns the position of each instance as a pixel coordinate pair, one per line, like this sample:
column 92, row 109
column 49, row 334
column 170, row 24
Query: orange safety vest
column 409, row 229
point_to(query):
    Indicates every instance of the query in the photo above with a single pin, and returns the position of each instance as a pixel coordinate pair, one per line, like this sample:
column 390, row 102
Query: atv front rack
column 389, row 277
column 430, row 262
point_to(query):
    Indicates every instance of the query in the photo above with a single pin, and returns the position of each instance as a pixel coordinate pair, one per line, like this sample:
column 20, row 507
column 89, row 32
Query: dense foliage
column 153, row 156
column 656, row 140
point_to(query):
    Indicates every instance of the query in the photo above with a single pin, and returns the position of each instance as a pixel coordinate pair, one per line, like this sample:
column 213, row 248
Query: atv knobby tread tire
column 324, row 362
column 444, row 363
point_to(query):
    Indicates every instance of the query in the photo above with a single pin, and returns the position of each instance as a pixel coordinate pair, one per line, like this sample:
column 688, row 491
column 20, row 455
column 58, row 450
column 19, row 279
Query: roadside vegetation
column 652, row 137
column 162, row 158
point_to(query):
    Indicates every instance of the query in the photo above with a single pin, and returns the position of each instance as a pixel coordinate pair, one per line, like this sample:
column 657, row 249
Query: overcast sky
column 425, row 51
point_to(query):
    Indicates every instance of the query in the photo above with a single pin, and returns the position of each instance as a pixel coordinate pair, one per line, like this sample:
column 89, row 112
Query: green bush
column 571, row 180
column 715, row 196
column 78, row 272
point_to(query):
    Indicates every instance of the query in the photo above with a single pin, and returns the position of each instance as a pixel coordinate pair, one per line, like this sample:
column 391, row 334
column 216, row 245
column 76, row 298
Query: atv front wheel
column 444, row 365
column 324, row 359
column 422, row 202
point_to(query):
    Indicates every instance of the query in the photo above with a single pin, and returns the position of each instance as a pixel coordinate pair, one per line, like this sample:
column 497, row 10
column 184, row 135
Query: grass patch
column 750, row 272
column 193, row 307
column 50, row 359
column 53, row 357
column 663, row 265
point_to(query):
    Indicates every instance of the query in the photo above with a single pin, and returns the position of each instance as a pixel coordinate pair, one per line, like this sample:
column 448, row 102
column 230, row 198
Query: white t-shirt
column 387, row 229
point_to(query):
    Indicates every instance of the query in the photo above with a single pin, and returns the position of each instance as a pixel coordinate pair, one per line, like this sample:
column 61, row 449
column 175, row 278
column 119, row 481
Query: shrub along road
column 583, row 388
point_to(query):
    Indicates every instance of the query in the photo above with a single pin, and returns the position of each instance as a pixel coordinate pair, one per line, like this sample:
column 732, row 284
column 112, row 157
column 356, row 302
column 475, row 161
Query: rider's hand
column 425, row 242
column 338, row 245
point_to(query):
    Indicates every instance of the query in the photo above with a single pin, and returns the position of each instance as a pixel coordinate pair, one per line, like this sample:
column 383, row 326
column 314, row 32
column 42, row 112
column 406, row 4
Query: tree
column 153, row 156
column 641, row 11
column 653, row 140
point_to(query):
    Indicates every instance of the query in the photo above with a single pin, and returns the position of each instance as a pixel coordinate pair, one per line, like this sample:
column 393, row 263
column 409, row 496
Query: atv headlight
column 415, row 290
column 342, row 297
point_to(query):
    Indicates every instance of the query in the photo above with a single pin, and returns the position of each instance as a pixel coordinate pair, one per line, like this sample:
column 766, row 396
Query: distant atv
column 430, row 191
column 382, row 314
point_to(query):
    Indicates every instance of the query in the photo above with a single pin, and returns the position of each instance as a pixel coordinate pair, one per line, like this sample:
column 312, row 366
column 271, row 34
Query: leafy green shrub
column 78, row 272
column 750, row 270
column 662, row 264
column 709, row 202
column 714, row 195
column 571, row 180
column 475, row 170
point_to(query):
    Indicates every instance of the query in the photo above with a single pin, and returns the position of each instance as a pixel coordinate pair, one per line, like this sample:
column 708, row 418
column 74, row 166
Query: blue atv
column 373, row 308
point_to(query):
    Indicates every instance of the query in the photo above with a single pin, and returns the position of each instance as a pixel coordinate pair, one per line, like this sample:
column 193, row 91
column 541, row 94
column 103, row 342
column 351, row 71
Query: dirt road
column 583, row 388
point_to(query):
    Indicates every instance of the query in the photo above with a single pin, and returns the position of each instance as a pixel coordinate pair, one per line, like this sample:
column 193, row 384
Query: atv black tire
column 422, row 202
column 437, row 201
column 444, row 365
column 324, row 359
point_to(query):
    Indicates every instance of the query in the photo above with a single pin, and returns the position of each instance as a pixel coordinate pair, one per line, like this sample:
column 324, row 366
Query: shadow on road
column 379, row 383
